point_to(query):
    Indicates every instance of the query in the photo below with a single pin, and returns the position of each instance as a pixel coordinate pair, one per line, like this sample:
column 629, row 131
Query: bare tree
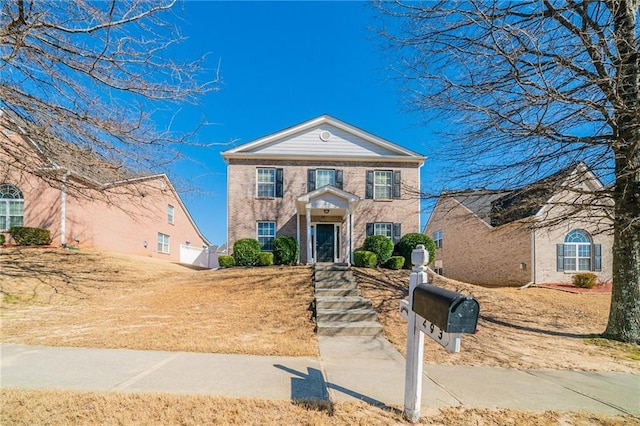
column 531, row 86
column 97, row 77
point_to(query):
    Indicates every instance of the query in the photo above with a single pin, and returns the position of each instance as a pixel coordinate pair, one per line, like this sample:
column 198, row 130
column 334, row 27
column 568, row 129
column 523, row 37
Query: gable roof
column 323, row 138
column 500, row 207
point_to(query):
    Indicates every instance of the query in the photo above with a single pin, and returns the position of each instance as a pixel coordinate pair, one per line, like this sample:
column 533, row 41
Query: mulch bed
column 570, row 288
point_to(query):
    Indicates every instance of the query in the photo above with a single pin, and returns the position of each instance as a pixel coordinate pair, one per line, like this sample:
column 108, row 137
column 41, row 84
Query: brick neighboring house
column 88, row 202
column 495, row 238
column 327, row 184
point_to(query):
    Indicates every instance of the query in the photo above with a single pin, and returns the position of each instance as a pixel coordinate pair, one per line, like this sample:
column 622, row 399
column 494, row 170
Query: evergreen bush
column 26, row 236
column 246, row 251
column 226, row 261
column 395, row 262
column 380, row 245
column 365, row 259
column 285, row 250
column 265, row 258
column 584, row 280
column 409, row 242
column 2, row 239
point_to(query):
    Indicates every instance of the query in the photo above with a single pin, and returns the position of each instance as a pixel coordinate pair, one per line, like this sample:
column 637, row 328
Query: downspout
column 63, row 210
column 533, row 261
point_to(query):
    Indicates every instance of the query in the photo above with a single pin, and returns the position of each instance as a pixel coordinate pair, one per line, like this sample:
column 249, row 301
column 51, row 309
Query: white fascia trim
column 387, row 158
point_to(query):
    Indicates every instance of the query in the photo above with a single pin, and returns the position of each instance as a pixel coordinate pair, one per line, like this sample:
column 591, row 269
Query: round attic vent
column 325, row 135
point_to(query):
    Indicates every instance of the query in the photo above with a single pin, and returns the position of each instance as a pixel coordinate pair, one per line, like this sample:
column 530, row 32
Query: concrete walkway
column 350, row 368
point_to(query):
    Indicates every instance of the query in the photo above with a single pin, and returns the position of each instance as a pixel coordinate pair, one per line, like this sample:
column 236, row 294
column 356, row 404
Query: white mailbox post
column 454, row 314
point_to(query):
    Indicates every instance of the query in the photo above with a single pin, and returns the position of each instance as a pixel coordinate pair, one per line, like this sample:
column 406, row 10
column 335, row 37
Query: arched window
column 11, row 206
column 578, row 253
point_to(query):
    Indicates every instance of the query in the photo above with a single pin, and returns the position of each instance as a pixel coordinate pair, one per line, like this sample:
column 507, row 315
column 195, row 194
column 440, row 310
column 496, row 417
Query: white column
column 309, row 253
column 298, row 235
column 415, row 341
column 347, row 232
column 63, row 210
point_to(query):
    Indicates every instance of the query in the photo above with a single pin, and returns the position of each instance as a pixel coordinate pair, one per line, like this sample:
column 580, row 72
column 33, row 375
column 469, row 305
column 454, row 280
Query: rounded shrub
column 25, row 236
column 285, row 250
column 226, row 261
column 409, row 242
column 246, row 251
column 265, row 258
column 395, row 262
column 380, row 245
column 584, row 280
column 2, row 239
column 365, row 259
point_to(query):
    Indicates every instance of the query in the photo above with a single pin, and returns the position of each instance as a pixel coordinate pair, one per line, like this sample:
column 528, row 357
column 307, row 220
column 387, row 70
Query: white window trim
column 272, row 183
column 437, row 238
column 166, row 241
column 6, row 211
column 258, row 236
column 389, row 186
column 389, row 225
column 171, row 214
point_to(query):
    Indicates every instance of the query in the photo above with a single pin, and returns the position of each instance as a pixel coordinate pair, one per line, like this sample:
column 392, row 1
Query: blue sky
column 282, row 63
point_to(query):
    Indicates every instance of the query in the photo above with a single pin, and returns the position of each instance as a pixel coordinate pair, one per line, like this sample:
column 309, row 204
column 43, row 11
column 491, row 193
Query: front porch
column 324, row 222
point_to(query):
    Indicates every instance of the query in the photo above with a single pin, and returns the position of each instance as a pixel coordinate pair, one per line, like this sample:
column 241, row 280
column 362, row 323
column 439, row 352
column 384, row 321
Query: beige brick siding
column 244, row 209
column 474, row 252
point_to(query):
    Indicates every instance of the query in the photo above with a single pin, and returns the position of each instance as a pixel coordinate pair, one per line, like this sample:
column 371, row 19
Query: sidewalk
column 349, row 368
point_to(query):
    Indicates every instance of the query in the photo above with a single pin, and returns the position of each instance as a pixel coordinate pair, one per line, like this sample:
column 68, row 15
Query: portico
column 325, row 220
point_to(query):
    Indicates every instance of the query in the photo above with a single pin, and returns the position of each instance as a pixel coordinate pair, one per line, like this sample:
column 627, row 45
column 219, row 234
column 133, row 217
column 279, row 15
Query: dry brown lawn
column 105, row 300
column 535, row 328
column 67, row 408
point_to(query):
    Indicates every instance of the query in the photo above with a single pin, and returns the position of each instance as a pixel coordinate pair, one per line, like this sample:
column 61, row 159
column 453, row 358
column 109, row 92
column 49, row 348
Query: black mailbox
column 452, row 312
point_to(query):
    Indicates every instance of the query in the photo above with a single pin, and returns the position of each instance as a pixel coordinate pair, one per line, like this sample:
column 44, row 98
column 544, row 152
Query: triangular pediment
column 323, row 138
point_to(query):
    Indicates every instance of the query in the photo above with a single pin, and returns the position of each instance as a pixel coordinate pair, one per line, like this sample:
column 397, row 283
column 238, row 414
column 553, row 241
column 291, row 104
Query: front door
column 325, row 242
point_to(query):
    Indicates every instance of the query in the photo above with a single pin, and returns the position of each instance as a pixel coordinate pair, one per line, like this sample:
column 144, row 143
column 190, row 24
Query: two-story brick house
column 326, row 183
column 544, row 232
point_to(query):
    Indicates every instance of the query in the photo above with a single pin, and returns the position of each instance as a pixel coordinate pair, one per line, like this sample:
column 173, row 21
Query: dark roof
column 498, row 208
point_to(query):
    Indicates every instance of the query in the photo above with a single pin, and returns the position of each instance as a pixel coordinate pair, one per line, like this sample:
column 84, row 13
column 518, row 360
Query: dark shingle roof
column 498, row 208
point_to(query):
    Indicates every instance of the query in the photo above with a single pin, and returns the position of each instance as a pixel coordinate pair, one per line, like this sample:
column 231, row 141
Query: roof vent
column 325, row 135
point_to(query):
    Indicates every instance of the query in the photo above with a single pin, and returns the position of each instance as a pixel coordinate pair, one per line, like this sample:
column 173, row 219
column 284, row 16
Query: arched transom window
column 577, row 251
column 11, row 206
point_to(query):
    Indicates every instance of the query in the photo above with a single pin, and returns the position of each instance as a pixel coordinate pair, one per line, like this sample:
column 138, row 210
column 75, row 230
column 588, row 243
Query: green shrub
column 409, row 242
column 380, row 245
column 2, row 239
column 395, row 262
column 265, row 258
column 584, row 280
column 285, row 250
column 246, row 252
column 226, row 261
column 365, row 259
column 25, row 236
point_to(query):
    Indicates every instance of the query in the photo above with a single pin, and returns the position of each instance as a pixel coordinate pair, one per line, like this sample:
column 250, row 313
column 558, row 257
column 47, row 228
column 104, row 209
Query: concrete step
column 343, row 302
column 328, row 292
column 336, row 284
column 328, row 275
column 345, row 315
column 357, row 328
column 331, row 267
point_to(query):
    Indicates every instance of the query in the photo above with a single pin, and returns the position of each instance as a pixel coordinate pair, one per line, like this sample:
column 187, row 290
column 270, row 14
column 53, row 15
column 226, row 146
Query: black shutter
column 397, row 179
column 279, row 182
column 396, row 233
column 597, row 257
column 339, row 179
column 369, row 229
column 311, row 180
column 560, row 257
column 369, row 187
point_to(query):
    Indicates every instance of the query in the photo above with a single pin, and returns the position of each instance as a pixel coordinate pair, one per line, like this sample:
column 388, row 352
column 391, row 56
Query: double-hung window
column 386, row 229
column 266, row 233
column 437, row 239
column 382, row 180
column 325, row 177
column 11, row 207
column 170, row 213
column 266, row 183
column 383, row 184
column 163, row 243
